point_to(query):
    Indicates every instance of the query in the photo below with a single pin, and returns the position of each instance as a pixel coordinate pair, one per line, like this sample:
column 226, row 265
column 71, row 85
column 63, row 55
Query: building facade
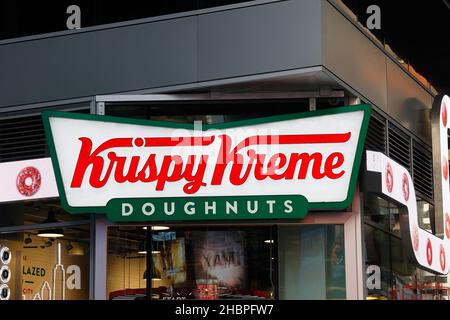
column 241, row 63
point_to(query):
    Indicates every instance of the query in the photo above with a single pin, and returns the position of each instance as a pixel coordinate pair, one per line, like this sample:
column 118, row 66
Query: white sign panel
column 27, row 180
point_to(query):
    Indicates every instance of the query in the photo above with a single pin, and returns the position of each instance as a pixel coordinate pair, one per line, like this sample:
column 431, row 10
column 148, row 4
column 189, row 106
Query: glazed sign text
column 268, row 168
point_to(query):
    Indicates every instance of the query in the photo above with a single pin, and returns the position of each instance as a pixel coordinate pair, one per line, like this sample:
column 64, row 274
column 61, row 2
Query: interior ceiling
column 37, row 212
column 418, row 31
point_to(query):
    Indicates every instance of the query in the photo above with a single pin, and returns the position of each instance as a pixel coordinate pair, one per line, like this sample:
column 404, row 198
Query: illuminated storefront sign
column 270, row 168
column 393, row 182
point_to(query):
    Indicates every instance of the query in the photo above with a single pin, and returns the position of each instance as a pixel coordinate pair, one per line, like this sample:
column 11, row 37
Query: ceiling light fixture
column 156, row 275
column 157, row 228
column 53, row 232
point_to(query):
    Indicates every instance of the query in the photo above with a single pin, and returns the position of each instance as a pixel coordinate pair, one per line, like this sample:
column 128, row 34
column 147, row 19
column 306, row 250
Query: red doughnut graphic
column 444, row 114
column 389, row 178
column 442, row 257
column 447, row 225
column 28, row 181
column 445, row 167
column 405, row 187
column 415, row 236
column 429, row 252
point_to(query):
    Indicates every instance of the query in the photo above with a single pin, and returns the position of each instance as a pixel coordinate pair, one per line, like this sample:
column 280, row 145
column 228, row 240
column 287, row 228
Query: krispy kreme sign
column 269, row 168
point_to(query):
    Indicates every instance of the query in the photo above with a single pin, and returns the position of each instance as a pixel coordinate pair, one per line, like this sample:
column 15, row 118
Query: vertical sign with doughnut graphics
column 5, row 273
column 393, row 182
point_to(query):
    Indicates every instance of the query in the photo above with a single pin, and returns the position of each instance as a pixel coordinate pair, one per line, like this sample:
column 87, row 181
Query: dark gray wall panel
column 266, row 38
column 352, row 57
column 408, row 103
column 128, row 58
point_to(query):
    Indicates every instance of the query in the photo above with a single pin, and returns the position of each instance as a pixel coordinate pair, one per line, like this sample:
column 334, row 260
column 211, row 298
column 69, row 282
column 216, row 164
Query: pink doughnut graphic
column 28, row 181
column 444, row 114
column 445, row 167
column 389, row 178
column 415, row 236
column 447, row 225
column 442, row 256
column 405, row 187
column 429, row 252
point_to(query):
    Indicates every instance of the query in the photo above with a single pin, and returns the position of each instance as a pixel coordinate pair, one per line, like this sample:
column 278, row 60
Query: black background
column 418, row 31
column 287, row 310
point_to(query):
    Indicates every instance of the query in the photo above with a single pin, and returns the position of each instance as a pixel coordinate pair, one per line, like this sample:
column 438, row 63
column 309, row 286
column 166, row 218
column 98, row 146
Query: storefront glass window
column 376, row 210
column 390, row 273
column 425, row 213
column 404, row 280
column 386, row 215
column 302, row 262
column 192, row 263
column 382, row 213
column 45, row 268
column 378, row 263
column 311, row 262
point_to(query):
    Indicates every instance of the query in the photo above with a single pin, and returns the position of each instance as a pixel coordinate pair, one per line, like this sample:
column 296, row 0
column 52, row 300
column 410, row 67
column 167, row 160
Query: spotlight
column 28, row 240
column 47, row 244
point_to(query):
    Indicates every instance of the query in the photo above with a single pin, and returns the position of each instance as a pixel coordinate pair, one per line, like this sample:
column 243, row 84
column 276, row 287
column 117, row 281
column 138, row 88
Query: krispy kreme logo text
column 269, row 168
column 106, row 163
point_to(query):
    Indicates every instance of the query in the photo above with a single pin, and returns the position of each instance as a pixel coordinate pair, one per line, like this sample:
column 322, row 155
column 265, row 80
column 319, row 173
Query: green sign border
column 366, row 108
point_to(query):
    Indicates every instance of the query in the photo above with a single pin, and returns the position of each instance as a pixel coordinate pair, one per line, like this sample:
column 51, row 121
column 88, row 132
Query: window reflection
column 425, row 212
column 391, row 275
column 312, row 262
column 192, row 263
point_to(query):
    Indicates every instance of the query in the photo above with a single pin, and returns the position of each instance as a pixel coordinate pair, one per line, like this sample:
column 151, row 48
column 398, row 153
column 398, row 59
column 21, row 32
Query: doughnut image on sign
column 442, row 257
column 5, row 255
column 447, row 225
column 28, row 181
column 405, row 187
column 429, row 252
column 389, row 178
column 444, row 114
column 445, row 168
column 415, row 236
